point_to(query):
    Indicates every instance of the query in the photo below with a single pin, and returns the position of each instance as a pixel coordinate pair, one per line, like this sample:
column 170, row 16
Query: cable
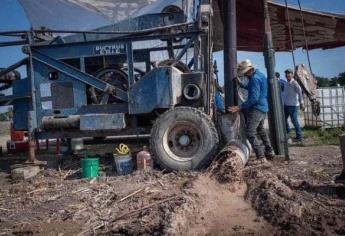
column 305, row 36
column 290, row 34
column 123, row 149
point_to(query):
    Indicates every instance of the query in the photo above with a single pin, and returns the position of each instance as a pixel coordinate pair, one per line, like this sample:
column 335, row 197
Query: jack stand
column 32, row 152
column 32, row 143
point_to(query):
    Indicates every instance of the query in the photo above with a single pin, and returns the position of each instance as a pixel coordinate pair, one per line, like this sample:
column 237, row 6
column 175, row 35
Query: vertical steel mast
column 276, row 113
column 230, row 52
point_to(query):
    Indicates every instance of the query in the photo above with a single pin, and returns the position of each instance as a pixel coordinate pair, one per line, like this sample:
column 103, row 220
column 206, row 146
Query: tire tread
column 199, row 113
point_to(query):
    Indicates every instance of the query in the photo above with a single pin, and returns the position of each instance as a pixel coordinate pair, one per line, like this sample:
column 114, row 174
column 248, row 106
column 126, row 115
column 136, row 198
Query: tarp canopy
column 323, row 30
column 88, row 14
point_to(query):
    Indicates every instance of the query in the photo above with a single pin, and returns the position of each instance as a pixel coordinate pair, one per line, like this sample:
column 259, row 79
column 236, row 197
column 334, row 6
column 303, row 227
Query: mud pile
column 226, row 168
column 300, row 197
column 217, row 209
column 216, row 205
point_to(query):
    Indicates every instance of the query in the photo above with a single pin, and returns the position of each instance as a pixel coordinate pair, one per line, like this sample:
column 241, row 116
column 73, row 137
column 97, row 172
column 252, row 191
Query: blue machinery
column 101, row 83
column 151, row 76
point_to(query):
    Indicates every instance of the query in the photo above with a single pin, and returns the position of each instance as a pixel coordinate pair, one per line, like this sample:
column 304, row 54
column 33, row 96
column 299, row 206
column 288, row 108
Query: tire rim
column 182, row 141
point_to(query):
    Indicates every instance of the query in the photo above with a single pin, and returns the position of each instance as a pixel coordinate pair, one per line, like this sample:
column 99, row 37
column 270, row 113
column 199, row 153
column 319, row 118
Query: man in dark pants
column 340, row 179
column 257, row 107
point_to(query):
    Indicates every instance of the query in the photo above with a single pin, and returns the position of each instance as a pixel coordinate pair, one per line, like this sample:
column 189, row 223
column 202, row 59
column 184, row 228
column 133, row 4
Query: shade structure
column 323, row 30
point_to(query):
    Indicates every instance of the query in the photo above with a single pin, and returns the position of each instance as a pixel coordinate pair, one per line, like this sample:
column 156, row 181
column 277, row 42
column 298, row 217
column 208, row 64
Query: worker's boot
column 262, row 161
column 269, row 155
column 340, row 179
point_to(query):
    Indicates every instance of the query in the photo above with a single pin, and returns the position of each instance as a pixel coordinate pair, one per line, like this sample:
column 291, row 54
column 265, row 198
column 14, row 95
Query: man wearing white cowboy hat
column 257, row 107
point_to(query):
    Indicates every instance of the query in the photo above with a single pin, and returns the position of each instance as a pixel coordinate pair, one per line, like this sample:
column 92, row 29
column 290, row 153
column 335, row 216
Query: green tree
column 322, row 81
column 341, row 79
column 329, row 82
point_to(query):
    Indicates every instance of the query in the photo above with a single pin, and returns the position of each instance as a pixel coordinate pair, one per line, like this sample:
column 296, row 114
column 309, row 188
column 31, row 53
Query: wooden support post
column 342, row 148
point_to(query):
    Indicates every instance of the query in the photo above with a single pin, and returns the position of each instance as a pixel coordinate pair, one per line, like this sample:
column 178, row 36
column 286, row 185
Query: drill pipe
column 232, row 127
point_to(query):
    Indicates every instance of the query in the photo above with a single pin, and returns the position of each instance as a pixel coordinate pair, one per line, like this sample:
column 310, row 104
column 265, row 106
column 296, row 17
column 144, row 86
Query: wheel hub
column 183, row 139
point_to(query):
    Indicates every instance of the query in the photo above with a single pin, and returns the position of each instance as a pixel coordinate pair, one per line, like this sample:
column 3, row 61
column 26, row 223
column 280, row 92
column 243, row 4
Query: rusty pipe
column 72, row 121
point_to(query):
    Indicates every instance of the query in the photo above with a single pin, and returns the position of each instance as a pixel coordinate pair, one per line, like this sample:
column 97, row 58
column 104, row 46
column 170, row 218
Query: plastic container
column 14, row 147
column 123, row 164
column 144, row 160
column 16, row 135
column 90, row 167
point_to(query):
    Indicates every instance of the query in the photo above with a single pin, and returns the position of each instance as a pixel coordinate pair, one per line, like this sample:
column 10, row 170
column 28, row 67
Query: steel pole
column 230, row 52
column 276, row 119
column 31, row 139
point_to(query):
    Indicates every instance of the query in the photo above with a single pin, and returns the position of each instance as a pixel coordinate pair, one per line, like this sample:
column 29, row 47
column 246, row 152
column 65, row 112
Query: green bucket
column 90, row 167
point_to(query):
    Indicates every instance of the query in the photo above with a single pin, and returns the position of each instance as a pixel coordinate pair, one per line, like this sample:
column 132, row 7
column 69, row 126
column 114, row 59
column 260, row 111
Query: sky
column 12, row 17
column 325, row 63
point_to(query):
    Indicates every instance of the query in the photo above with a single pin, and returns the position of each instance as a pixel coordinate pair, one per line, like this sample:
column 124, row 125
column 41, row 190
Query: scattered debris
column 132, row 194
column 282, row 199
column 298, row 201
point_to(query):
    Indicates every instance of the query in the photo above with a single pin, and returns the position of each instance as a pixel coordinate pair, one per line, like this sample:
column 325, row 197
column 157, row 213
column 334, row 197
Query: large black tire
column 184, row 138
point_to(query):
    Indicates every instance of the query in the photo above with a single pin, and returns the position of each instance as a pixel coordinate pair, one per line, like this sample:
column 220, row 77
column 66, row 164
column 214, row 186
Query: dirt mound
column 227, row 167
column 299, row 198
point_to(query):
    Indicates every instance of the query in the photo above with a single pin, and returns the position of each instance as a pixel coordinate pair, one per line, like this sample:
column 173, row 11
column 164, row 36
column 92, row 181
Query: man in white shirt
column 293, row 99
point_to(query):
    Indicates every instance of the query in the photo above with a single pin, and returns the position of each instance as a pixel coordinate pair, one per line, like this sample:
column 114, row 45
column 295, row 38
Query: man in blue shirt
column 257, row 107
column 218, row 99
